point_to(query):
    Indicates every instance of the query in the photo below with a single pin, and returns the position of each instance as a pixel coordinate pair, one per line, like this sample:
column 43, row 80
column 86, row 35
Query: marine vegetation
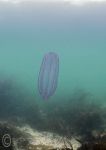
column 98, row 142
column 16, row 105
column 79, row 116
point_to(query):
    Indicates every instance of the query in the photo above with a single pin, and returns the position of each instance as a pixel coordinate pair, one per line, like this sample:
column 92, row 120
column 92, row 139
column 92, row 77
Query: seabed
column 26, row 138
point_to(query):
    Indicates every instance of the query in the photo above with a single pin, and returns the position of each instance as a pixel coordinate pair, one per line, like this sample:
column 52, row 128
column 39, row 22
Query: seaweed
column 98, row 142
column 79, row 116
column 16, row 104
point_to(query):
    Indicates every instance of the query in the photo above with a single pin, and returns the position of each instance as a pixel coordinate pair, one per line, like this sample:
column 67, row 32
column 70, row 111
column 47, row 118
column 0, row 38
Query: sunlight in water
column 76, row 2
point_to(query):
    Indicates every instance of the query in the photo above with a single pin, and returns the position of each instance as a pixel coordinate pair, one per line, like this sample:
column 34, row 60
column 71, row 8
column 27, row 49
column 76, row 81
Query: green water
column 76, row 33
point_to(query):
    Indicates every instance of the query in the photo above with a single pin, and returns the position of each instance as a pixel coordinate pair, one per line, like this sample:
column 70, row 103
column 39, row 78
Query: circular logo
column 6, row 140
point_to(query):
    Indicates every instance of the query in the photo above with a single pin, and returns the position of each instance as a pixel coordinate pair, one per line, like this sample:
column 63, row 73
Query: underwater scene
column 52, row 75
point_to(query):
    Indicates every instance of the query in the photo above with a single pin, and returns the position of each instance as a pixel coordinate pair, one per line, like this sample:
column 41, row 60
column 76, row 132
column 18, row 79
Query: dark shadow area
column 77, row 116
column 16, row 105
